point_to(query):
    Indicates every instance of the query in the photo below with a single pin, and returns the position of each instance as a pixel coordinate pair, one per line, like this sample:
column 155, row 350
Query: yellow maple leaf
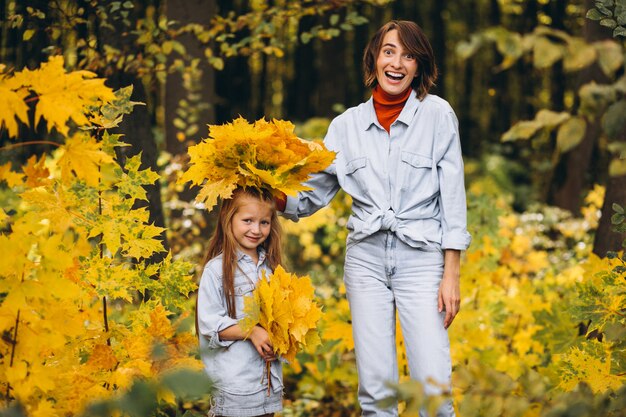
column 36, row 172
column 81, row 157
column 102, row 357
column 337, row 325
column 12, row 105
column 160, row 325
column 145, row 242
column 583, row 366
column 288, row 311
column 12, row 178
column 261, row 154
column 3, row 216
column 65, row 96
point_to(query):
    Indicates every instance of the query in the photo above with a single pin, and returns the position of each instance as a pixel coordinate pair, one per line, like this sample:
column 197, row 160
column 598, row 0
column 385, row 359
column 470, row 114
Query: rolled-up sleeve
column 452, row 200
column 324, row 186
column 212, row 314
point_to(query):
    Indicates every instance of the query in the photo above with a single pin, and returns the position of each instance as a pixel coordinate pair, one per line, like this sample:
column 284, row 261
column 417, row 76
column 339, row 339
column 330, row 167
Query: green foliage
column 611, row 14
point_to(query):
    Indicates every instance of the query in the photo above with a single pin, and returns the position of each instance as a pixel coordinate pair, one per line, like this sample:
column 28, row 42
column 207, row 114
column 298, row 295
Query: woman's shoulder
column 435, row 103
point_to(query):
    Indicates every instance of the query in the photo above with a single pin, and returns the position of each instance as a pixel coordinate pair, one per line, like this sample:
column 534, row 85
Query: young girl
column 246, row 242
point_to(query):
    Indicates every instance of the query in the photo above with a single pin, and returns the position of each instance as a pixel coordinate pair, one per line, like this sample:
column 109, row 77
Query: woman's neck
column 388, row 107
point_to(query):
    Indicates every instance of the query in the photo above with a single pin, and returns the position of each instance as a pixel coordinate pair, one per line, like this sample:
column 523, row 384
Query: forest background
column 101, row 246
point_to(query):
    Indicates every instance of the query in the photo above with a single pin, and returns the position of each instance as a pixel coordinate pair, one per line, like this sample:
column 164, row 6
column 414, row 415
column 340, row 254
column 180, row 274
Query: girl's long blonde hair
column 223, row 241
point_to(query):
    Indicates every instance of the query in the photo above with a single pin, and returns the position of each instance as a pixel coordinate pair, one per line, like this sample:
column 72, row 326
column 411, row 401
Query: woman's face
column 395, row 67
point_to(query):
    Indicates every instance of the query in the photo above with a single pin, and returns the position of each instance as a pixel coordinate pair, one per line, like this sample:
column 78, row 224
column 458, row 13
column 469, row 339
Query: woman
column 399, row 157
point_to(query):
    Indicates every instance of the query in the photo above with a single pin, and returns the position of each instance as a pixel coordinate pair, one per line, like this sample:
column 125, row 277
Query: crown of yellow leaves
column 261, row 154
column 285, row 307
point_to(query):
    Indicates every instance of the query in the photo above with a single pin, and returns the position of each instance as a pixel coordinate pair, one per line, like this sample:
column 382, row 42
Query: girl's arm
column 258, row 336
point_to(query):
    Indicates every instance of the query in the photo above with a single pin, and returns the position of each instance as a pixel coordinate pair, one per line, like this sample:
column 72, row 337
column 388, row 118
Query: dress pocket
column 417, row 171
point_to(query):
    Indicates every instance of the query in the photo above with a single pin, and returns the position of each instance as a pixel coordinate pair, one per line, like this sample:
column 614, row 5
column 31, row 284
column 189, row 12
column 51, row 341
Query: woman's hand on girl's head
column 261, row 341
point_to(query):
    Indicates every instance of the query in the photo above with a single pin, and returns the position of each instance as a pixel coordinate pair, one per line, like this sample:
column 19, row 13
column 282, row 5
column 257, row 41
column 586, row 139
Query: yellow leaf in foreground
column 12, row 106
column 81, row 157
column 11, row 177
column 288, row 311
column 64, row 96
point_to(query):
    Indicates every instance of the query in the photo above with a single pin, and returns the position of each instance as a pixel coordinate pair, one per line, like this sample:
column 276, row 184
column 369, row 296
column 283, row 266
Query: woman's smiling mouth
column 396, row 76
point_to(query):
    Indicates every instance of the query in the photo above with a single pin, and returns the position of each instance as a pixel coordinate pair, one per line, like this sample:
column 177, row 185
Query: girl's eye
column 409, row 56
column 247, row 221
column 265, row 222
column 387, row 52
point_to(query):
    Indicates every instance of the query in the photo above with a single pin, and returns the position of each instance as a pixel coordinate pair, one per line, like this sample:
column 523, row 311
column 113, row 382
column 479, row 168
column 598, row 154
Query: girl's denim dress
column 239, row 373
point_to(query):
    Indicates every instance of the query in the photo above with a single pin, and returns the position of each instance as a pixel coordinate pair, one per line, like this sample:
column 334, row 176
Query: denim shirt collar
column 260, row 250
column 369, row 118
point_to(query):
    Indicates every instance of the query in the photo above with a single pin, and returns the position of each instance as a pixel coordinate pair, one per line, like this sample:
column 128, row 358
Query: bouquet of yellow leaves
column 285, row 307
column 261, row 155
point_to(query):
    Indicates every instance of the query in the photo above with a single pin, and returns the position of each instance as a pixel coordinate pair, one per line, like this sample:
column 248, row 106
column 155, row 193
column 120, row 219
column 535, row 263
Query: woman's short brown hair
column 415, row 42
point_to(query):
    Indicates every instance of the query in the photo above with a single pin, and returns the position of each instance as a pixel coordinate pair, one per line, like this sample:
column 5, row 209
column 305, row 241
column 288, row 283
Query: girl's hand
column 261, row 341
column 450, row 289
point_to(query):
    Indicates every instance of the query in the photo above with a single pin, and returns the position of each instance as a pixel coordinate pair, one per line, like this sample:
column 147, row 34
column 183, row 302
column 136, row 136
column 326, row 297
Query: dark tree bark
column 557, row 80
column 470, row 140
column 137, row 126
column 571, row 176
column 438, row 43
column 332, row 64
column 499, row 83
column 185, row 12
column 300, row 91
column 606, row 239
column 233, row 84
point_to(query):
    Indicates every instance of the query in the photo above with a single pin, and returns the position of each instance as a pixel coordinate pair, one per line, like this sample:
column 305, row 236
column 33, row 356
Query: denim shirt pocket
column 416, row 173
column 356, row 175
column 242, row 290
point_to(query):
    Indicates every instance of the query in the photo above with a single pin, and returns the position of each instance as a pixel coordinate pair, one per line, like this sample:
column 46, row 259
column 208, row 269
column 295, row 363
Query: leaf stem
column 13, row 343
column 106, row 320
column 32, row 142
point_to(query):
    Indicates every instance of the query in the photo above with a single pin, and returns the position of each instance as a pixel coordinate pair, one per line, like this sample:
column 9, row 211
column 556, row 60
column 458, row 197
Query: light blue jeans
column 383, row 274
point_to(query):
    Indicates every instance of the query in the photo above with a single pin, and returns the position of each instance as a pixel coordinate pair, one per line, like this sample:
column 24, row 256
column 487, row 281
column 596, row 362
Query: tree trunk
column 500, row 119
column 606, row 239
column 233, row 84
column 137, row 126
column 299, row 100
column 571, row 176
column 199, row 109
column 470, row 139
column 438, row 42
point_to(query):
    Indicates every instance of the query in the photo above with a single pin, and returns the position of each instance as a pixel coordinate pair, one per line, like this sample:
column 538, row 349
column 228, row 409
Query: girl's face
column 251, row 224
column 395, row 68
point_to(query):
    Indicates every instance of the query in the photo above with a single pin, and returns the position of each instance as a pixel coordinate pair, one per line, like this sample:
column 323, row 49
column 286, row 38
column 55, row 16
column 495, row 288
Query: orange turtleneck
column 388, row 107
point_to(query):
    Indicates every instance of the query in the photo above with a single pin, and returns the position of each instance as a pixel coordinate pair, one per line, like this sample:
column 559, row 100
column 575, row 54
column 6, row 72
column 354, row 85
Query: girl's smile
column 251, row 225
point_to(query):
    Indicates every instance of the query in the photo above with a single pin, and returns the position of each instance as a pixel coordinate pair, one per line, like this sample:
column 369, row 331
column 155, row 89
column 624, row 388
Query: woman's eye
column 409, row 56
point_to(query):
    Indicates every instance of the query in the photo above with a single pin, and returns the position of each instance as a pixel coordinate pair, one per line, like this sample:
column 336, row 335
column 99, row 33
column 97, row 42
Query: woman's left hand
column 450, row 288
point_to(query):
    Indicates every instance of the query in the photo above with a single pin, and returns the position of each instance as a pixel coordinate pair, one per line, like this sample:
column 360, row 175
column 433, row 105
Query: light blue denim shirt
column 409, row 181
column 235, row 366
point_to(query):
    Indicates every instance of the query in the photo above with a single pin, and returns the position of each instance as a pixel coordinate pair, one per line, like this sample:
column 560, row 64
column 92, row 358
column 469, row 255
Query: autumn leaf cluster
column 76, row 283
column 261, row 154
column 284, row 305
